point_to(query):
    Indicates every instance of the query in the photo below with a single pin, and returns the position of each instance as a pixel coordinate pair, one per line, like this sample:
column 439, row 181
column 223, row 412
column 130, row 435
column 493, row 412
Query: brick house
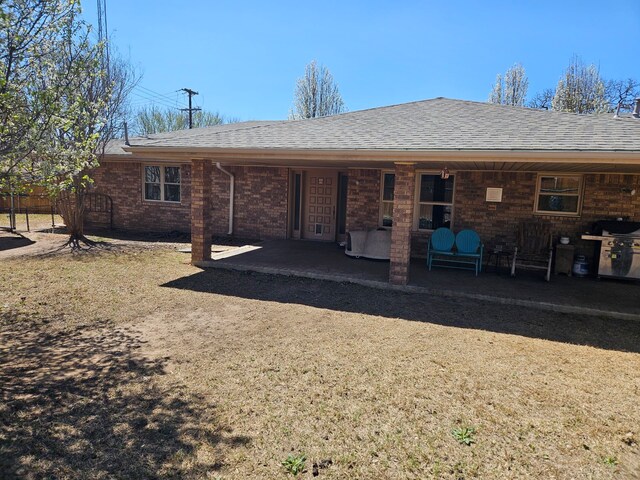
column 317, row 179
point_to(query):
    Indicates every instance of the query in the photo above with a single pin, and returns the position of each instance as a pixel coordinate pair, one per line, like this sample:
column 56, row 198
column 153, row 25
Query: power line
column 155, row 102
column 144, row 99
column 149, row 99
column 144, row 94
column 155, row 94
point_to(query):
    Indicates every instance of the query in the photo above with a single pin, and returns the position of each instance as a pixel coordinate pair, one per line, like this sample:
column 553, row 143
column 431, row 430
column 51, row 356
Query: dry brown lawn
column 134, row 364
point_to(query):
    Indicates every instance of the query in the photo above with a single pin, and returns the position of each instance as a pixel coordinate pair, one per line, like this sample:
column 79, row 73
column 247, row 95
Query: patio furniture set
column 465, row 250
column 534, row 249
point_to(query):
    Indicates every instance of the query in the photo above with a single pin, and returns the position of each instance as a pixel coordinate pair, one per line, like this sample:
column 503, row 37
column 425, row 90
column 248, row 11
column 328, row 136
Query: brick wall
column 403, row 207
column 123, row 183
column 603, row 198
column 201, row 211
column 260, row 201
column 261, row 208
column 496, row 223
column 363, row 199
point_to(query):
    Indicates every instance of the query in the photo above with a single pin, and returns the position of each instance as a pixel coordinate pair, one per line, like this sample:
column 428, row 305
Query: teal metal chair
column 440, row 244
column 469, row 246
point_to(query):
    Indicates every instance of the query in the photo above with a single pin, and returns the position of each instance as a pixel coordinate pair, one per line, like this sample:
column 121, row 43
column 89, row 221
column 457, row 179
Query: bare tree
column 542, row 100
column 512, row 88
column 316, row 94
column 580, row 90
column 155, row 120
column 622, row 93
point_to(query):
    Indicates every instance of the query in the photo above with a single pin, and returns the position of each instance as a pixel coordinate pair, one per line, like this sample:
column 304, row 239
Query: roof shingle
column 438, row 124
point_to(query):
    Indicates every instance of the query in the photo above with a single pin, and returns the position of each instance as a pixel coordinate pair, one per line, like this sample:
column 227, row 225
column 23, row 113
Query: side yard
column 131, row 363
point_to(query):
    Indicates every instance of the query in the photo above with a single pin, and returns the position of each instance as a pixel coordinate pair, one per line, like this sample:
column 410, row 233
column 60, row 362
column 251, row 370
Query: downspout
column 232, row 183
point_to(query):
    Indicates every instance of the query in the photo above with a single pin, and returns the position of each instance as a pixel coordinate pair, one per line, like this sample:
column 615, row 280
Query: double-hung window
column 386, row 201
column 162, row 183
column 435, row 201
column 558, row 194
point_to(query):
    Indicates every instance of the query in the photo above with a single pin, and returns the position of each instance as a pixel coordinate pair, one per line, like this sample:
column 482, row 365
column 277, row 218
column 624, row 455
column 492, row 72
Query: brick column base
column 403, row 204
column 201, row 224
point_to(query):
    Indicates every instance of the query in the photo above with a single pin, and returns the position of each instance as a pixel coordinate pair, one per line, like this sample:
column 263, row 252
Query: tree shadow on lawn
column 83, row 404
column 11, row 241
column 605, row 333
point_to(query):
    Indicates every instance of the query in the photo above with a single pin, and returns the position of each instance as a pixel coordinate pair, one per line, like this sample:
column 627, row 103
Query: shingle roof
column 439, row 124
column 115, row 146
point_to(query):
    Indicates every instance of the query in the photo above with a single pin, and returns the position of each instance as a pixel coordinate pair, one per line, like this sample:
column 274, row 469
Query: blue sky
column 244, row 57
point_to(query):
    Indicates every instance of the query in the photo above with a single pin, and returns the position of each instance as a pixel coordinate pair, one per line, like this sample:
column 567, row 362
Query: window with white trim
column 558, row 194
column 386, row 199
column 162, row 183
column 435, row 201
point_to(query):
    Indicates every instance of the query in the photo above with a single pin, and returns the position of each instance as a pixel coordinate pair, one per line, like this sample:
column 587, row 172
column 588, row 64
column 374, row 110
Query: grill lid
column 615, row 227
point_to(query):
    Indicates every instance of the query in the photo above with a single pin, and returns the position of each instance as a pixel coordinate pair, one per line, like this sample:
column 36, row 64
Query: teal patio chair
column 469, row 246
column 440, row 244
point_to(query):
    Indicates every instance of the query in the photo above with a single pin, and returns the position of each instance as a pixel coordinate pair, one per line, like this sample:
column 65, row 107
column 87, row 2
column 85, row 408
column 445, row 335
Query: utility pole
column 191, row 93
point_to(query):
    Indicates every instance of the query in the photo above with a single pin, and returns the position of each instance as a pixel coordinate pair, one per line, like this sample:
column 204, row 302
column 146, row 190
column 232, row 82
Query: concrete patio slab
column 327, row 261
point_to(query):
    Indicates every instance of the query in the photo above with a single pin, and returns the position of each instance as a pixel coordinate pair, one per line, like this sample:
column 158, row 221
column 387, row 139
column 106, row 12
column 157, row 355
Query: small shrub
column 464, row 435
column 294, row 464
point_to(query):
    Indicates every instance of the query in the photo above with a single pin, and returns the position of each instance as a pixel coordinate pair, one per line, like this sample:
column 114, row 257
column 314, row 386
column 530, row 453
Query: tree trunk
column 72, row 208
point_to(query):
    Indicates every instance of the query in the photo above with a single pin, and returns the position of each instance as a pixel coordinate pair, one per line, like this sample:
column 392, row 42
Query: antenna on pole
column 103, row 33
column 191, row 93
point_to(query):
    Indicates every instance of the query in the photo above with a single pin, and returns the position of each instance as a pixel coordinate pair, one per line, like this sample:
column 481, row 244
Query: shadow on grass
column 598, row 332
column 11, row 241
column 78, row 404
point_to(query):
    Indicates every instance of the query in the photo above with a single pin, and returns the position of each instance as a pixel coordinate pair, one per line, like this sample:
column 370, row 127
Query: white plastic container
column 580, row 266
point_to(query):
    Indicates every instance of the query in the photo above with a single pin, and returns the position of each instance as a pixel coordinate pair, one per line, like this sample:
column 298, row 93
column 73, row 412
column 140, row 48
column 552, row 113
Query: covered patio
column 327, row 261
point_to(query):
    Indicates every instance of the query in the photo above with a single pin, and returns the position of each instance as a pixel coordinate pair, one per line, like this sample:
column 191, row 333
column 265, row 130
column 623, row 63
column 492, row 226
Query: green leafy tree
column 512, row 88
column 316, row 94
column 580, row 90
column 156, row 120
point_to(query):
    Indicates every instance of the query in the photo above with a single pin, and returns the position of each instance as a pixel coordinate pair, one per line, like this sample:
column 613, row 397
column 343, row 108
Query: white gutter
column 232, row 183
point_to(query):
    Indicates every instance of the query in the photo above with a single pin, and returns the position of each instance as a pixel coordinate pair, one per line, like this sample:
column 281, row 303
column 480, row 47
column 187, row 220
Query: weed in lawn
column 464, row 435
column 611, row 461
column 294, row 464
